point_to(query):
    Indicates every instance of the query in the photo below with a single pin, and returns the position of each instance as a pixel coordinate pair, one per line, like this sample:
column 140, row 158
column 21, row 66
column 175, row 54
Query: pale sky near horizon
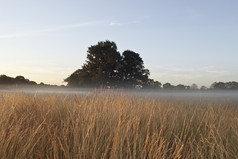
column 180, row 41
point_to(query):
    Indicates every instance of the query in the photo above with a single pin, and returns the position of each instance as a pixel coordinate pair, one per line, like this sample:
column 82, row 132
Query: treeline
column 19, row 80
column 225, row 85
column 22, row 81
column 6, row 81
column 215, row 86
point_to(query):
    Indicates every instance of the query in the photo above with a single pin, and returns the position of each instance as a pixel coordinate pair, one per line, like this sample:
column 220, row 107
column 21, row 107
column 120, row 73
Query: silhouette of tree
column 133, row 70
column 168, row 86
column 180, row 87
column 222, row 85
column 101, row 68
column 151, row 84
column 5, row 80
column 218, row 85
column 106, row 67
column 194, row 86
column 103, row 63
column 231, row 85
column 19, row 80
column 80, row 77
column 203, row 88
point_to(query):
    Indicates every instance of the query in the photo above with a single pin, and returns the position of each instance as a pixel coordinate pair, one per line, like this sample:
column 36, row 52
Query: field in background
column 108, row 125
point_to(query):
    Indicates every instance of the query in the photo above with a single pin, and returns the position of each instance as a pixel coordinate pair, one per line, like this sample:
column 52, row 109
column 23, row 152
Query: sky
column 180, row 41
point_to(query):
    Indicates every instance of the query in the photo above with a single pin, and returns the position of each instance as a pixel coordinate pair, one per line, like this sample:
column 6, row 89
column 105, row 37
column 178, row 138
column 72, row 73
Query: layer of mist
column 184, row 95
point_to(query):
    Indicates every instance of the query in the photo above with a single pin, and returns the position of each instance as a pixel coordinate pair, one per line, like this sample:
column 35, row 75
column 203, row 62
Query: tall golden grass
column 115, row 126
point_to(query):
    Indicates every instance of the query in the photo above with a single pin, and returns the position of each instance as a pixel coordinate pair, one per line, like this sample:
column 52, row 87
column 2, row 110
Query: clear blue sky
column 192, row 41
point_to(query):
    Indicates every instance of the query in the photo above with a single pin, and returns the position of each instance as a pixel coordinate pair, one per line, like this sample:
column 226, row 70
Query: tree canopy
column 105, row 66
column 133, row 71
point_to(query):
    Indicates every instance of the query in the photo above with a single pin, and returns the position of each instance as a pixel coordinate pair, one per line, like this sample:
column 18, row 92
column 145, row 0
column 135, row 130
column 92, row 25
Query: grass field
column 115, row 126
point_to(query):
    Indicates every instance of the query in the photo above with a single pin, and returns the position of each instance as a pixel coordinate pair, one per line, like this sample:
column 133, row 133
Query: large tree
column 133, row 70
column 101, row 68
column 105, row 66
column 103, row 63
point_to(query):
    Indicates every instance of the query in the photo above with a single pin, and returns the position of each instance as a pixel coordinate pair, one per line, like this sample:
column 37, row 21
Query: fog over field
column 184, row 95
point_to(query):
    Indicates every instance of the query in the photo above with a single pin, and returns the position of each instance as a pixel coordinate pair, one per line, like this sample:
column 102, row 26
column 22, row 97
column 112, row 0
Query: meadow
column 109, row 125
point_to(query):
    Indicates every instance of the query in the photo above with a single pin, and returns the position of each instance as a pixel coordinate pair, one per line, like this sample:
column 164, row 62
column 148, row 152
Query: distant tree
column 19, row 80
column 151, row 84
column 157, row 84
column 180, row 87
column 187, row 87
column 194, row 86
column 231, row 85
column 203, row 88
column 168, row 86
column 32, row 83
column 5, row 80
column 218, row 85
column 224, row 85
column 213, row 85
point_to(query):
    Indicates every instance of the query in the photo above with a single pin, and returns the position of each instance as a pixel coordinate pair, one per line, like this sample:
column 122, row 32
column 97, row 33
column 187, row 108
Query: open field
column 108, row 125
